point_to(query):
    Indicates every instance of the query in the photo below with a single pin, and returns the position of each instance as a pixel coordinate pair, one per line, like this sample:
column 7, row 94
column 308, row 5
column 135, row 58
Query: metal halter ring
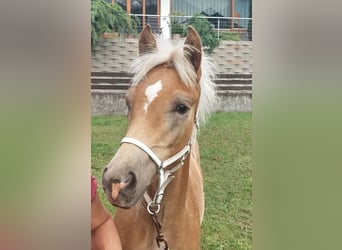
column 151, row 207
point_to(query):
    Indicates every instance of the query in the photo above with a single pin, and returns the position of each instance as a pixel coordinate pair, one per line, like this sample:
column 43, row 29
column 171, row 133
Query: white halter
column 164, row 175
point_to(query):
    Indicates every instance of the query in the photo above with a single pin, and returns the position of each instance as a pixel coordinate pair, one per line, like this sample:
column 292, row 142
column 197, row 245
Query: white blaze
column 151, row 93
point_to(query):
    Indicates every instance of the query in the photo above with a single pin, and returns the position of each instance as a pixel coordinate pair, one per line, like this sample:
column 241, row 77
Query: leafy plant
column 176, row 26
column 107, row 17
column 205, row 30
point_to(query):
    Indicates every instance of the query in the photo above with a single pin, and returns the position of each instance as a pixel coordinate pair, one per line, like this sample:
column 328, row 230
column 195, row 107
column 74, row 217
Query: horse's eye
column 182, row 109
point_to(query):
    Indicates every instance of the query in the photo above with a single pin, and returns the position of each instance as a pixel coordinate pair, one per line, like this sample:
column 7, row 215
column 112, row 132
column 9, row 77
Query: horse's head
column 162, row 104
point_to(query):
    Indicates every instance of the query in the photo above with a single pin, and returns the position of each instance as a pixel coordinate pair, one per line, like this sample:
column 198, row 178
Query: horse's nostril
column 129, row 178
column 130, row 181
column 105, row 169
column 125, row 185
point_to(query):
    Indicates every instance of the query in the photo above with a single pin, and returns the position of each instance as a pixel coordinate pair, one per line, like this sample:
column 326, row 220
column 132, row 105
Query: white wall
column 165, row 9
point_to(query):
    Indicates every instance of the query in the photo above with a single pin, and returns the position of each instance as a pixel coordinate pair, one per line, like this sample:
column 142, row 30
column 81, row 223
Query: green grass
column 226, row 35
column 226, row 149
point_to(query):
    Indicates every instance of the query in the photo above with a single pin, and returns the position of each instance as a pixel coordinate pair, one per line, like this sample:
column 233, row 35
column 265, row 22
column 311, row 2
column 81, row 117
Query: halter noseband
column 160, row 164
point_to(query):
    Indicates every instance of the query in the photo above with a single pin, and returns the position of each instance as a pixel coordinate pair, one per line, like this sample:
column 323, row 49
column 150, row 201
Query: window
column 215, row 8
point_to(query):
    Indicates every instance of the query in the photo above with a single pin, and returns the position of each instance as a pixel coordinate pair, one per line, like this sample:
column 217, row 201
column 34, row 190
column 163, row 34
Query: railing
column 227, row 28
column 121, row 81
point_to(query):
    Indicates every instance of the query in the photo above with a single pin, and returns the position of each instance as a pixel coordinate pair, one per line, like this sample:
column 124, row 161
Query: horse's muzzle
column 120, row 191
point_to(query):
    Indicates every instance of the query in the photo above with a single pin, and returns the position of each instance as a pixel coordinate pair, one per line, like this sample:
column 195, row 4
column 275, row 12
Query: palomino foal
column 154, row 178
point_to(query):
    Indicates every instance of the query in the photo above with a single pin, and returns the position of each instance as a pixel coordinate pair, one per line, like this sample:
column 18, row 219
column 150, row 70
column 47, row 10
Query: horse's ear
column 193, row 48
column 147, row 42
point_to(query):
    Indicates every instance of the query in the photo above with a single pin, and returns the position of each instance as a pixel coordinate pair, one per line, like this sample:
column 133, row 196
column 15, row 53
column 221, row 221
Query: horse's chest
column 181, row 234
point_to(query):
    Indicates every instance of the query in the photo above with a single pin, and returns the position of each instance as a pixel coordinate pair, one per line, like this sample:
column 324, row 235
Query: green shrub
column 205, row 30
column 107, row 17
column 176, row 26
column 177, row 29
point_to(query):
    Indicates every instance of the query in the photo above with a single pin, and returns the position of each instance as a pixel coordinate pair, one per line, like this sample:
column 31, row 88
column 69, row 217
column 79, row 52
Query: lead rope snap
column 153, row 208
column 160, row 236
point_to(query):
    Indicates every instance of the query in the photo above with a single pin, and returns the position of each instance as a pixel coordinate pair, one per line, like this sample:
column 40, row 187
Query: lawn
column 226, row 151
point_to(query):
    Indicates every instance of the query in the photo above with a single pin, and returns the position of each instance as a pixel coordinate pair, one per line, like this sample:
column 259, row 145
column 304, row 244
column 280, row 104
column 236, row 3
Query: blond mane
column 174, row 55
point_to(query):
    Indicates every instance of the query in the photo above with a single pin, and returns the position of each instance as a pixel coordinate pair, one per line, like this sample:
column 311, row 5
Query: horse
column 155, row 179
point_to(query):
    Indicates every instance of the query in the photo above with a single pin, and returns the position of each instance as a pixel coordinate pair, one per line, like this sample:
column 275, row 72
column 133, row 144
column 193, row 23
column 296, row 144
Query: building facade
column 157, row 12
